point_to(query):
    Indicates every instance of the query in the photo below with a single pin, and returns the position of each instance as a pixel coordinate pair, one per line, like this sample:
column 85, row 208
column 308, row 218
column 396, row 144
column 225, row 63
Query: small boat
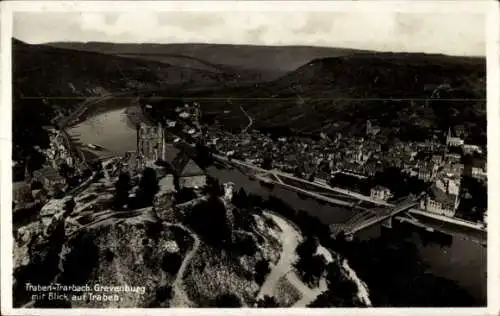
column 429, row 229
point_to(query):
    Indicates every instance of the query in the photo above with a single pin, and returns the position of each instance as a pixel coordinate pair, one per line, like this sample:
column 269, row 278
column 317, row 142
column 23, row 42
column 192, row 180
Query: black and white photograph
column 247, row 156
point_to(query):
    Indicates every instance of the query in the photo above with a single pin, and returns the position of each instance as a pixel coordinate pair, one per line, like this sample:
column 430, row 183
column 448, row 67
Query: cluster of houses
column 429, row 161
column 58, row 153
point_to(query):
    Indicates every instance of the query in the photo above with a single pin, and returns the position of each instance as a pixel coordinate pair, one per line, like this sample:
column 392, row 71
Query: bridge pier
column 387, row 223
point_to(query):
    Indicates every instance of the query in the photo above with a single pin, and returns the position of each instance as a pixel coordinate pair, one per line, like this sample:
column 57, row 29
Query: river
column 453, row 258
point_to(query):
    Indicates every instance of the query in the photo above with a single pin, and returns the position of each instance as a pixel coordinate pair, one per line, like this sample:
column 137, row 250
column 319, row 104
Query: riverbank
column 457, row 264
column 113, row 128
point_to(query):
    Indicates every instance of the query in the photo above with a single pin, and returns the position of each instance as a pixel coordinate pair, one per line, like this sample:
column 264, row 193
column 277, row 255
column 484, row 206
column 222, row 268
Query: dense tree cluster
column 268, row 301
column 122, row 188
column 148, row 187
column 262, row 268
column 209, row 220
column 171, row 263
column 309, row 264
column 400, row 185
column 184, row 195
column 474, row 203
column 213, row 187
column 341, row 292
column 28, row 118
column 226, row 300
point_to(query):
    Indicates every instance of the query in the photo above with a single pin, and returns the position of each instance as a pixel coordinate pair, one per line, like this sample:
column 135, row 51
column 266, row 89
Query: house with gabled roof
column 186, row 172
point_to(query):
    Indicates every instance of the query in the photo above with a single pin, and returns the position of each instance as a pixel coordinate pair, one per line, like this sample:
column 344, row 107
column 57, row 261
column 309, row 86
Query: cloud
column 453, row 33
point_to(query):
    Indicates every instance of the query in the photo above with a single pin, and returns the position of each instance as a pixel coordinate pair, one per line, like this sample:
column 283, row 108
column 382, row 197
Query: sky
column 454, row 33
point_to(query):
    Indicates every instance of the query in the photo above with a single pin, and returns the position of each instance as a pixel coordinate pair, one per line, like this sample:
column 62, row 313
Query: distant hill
column 51, row 71
column 307, row 89
column 48, row 81
column 393, row 89
column 251, row 62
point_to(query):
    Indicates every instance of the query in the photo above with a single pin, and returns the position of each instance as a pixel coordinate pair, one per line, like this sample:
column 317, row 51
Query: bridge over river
column 368, row 211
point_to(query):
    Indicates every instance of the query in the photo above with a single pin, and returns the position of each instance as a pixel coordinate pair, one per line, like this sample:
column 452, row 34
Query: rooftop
column 49, row 173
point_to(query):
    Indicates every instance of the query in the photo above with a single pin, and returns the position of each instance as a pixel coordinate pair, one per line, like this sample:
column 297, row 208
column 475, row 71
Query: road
column 318, row 183
column 250, row 120
column 180, row 298
column 290, row 240
column 322, row 184
column 309, row 193
column 81, row 108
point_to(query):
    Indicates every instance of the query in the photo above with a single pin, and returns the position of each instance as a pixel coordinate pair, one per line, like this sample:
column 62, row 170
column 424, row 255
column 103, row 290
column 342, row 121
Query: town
column 369, row 165
column 361, row 164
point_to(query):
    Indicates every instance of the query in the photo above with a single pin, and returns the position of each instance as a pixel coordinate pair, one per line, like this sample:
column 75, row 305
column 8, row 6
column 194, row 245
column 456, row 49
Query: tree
column 203, row 155
column 209, row 220
column 148, row 187
column 213, row 187
column 244, row 245
column 267, row 162
column 307, row 248
column 310, row 265
column 341, row 292
column 184, row 195
column 268, row 301
column 34, row 160
column 65, row 170
column 240, row 198
column 261, row 270
column 69, row 206
column 171, row 262
column 227, row 300
column 28, row 118
column 36, row 185
column 122, row 188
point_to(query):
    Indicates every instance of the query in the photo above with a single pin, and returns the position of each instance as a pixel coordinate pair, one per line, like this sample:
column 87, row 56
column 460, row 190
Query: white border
column 493, row 61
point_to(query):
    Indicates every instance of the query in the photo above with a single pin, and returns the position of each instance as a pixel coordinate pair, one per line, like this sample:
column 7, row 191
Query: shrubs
column 213, row 187
column 341, row 292
column 163, row 293
column 262, row 268
column 268, row 301
column 226, row 300
column 122, row 187
column 209, row 220
column 243, row 219
column 310, row 265
column 148, row 187
column 240, row 199
column 171, row 263
column 184, row 195
column 244, row 245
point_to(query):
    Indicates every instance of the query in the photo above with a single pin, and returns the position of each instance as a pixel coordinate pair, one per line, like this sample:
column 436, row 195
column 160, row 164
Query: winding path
column 180, row 298
column 290, row 240
column 250, row 120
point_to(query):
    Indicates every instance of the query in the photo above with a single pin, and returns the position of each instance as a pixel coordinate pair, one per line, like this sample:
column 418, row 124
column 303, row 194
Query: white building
column 442, row 200
column 469, row 149
column 478, row 173
column 452, row 141
column 380, row 193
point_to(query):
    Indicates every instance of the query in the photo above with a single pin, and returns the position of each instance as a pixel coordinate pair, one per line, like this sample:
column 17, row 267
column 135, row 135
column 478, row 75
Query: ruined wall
column 151, row 142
